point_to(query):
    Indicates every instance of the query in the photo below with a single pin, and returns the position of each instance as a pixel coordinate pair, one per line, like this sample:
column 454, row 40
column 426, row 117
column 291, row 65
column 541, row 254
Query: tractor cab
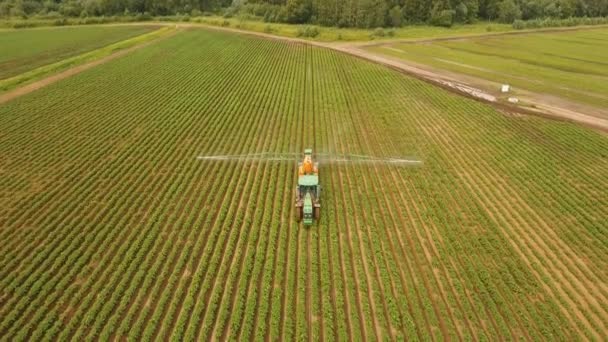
column 308, row 190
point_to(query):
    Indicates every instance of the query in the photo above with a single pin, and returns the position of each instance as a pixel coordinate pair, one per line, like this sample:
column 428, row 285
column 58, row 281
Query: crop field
column 111, row 228
column 24, row 50
column 571, row 65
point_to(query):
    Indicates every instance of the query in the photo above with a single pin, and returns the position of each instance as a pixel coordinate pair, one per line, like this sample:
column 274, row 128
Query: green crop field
column 110, row 227
column 572, row 65
column 24, row 50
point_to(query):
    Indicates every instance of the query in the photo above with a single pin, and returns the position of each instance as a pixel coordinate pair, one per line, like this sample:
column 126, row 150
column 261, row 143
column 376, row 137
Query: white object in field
column 513, row 99
column 505, row 88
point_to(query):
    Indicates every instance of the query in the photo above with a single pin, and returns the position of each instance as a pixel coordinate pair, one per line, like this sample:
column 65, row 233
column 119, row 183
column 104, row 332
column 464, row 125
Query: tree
column 442, row 14
column 395, row 16
column 298, row 11
column 472, row 10
column 508, row 11
column 461, row 13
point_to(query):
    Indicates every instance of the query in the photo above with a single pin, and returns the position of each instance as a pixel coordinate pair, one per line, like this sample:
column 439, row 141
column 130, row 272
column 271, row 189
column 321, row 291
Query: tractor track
column 351, row 109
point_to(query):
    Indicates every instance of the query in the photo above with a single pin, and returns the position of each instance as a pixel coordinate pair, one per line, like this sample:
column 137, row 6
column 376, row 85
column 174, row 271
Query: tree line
column 340, row 13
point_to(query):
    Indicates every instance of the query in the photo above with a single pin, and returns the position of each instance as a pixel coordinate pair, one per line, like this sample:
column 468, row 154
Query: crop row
column 115, row 230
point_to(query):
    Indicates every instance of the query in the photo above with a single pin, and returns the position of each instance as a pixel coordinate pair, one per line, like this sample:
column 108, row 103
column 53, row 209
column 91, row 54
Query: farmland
column 24, row 50
column 111, row 228
column 570, row 65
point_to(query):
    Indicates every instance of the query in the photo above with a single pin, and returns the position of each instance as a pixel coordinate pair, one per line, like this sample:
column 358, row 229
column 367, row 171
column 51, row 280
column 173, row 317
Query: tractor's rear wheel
column 299, row 214
column 317, row 213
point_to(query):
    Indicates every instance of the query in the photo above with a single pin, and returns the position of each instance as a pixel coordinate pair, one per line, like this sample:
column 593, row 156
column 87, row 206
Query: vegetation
column 548, row 22
column 48, row 69
column 110, row 228
column 24, row 50
column 571, row 64
column 340, row 13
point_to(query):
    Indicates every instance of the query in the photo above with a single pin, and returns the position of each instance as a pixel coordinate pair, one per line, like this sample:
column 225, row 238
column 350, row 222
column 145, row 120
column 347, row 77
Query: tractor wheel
column 298, row 214
column 317, row 213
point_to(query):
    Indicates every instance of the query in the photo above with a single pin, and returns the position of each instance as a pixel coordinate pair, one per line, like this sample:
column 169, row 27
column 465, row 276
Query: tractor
column 308, row 190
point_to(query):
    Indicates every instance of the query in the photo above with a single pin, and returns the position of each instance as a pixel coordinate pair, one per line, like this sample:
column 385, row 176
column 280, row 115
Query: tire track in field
column 309, row 108
column 488, row 212
column 326, row 138
column 298, row 145
column 225, row 123
column 335, row 67
column 215, row 119
column 419, row 215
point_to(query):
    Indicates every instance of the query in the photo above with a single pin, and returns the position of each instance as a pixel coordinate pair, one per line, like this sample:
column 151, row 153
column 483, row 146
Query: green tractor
column 308, row 190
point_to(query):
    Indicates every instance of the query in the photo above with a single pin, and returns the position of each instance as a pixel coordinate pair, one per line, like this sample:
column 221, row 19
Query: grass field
column 110, row 227
column 24, row 50
column 571, row 65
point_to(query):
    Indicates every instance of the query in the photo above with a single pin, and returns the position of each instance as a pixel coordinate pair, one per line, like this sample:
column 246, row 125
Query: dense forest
column 341, row 13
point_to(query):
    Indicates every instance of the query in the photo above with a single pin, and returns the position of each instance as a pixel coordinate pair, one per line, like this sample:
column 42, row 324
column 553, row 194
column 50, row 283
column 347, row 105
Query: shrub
column 143, row 16
column 23, row 24
column 444, row 18
column 268, row 29
column 307, row 31
column 519, row 24
column 378, row 32
column 60, row 22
